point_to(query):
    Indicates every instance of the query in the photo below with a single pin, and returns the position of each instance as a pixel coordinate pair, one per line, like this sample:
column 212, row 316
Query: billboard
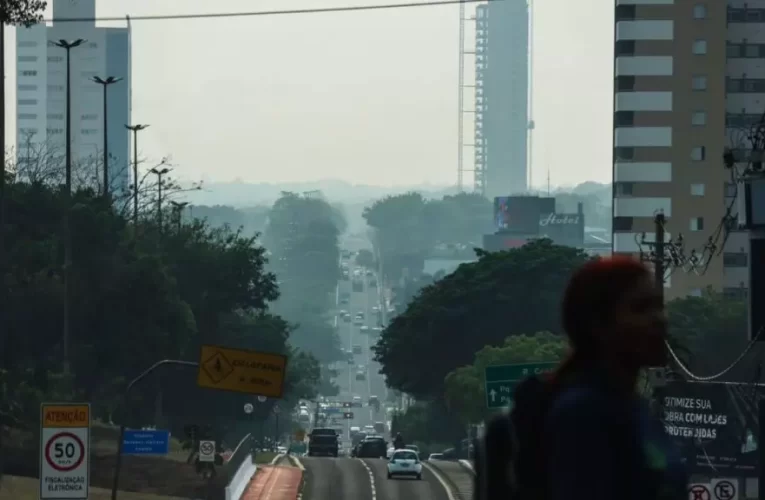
column 520, row 214
column 714, row 425
column 563, row 229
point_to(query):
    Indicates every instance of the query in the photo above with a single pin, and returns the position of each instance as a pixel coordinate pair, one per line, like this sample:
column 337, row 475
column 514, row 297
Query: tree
column 465, row 386
column 711, row 332
column 365, row 258
column 480, row 304
column 303, row 238
column 407, row 227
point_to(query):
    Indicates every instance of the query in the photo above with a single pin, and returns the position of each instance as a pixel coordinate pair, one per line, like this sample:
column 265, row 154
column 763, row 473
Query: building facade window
column 55, row 131
column 735, row 259
column 55, row 59
column 697, row 224
column 697, row 189
column 27, row 102
column 55, row 116
column 622, row 223
column 698, row 153
column 28, row 72
column 699, row 118
column 746, row 15
column 26, row 58
column 88, row 131
column 699, row 82
column 27, row 131
column 26, row 87
column 27, row 44
column 624, row 188
column 700, row 11
column 736, row 292
column 699, row 47
column 624, row 153
column 27, row 116
column 745, row 50
column 88, row 117
column 731, row 190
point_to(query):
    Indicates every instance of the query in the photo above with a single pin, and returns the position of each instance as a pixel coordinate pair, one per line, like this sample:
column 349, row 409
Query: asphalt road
column 350, row 335
column 354, row 479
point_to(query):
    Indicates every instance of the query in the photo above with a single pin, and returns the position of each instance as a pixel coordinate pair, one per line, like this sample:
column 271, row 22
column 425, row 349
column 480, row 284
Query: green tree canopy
column 481, row 303
column 710, row 332
column 465, row 386
column 137, row 295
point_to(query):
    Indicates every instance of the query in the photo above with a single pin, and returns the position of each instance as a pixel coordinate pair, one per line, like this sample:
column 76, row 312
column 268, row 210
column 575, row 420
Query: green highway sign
column 502, row 379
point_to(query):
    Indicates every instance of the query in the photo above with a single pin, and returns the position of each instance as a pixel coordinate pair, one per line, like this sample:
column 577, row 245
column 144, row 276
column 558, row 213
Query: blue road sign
column 149, row 442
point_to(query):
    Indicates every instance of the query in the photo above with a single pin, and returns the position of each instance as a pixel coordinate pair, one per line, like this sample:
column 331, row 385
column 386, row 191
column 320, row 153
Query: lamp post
column 135, row 129
column 105, row 82
column 159, row 173
column 68, row 46
column 178, row 207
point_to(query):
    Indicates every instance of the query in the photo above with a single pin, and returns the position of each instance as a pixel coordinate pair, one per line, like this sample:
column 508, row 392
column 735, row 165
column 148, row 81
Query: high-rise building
column 501, row 97
column 689, row 82
column 41, row 92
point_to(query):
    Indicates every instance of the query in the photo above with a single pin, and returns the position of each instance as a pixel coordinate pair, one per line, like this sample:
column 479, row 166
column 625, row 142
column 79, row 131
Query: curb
column 467, row 465
column 454, row 492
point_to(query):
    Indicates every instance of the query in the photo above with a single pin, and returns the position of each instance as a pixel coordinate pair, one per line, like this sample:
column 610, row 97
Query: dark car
column 323, row 441
column 372, row 448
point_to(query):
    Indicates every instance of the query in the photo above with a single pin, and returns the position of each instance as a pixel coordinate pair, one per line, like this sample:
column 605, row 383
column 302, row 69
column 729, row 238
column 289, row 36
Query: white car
column 364, row 328
column 404, row 463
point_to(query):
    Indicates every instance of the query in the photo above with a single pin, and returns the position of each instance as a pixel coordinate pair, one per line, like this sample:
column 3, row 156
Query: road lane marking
column 437, row 474
column 372, row 479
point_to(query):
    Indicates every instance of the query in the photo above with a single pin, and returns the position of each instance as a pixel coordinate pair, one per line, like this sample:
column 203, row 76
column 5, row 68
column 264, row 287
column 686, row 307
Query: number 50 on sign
column 64, row 451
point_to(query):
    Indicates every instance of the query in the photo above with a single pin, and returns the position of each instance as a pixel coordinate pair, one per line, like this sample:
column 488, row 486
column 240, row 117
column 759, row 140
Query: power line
column 260, row 13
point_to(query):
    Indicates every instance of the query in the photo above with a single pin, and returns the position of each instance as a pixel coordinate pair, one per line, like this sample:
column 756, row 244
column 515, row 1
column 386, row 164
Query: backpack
column 510, row 462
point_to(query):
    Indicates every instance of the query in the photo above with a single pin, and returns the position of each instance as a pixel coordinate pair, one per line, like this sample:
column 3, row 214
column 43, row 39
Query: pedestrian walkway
column 459, row 477
column 274, row 482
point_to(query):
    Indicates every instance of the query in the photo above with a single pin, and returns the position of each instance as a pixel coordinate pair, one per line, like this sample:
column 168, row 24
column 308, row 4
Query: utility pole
column 105, row 82
column 658, row 266
column 68, row 46
column 135, row 129
column 159, row 173
column 657, row 253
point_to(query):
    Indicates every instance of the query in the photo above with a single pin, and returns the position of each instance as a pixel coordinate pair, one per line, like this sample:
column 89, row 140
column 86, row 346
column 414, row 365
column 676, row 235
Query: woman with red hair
column 584, row 433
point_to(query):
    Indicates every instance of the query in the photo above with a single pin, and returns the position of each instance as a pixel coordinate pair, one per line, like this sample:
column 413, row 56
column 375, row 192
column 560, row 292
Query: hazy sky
column 368, row 97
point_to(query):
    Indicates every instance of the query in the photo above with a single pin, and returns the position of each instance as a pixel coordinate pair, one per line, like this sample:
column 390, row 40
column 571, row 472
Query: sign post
column 207, row 451
column 239, row 370
column 502, row 379
column 64, row 451
column 725, row 488
column 148, row 442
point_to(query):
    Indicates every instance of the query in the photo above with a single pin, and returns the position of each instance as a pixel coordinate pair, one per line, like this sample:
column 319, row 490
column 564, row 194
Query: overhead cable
column 262, row 13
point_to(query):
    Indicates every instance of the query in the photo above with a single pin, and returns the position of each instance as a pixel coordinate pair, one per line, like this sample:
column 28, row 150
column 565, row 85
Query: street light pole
column 68, row 46
column 178, row 206
column 159, row 173
column 135, row 129
column 105, row 82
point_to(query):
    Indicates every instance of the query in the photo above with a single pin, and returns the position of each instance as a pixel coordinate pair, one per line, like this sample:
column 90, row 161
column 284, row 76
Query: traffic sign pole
column 502, row 379
column 64, row 451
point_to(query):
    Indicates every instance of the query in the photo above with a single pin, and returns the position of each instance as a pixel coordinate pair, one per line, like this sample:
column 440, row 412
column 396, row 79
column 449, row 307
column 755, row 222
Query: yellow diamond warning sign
column 217, row 367
column 240, row 370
